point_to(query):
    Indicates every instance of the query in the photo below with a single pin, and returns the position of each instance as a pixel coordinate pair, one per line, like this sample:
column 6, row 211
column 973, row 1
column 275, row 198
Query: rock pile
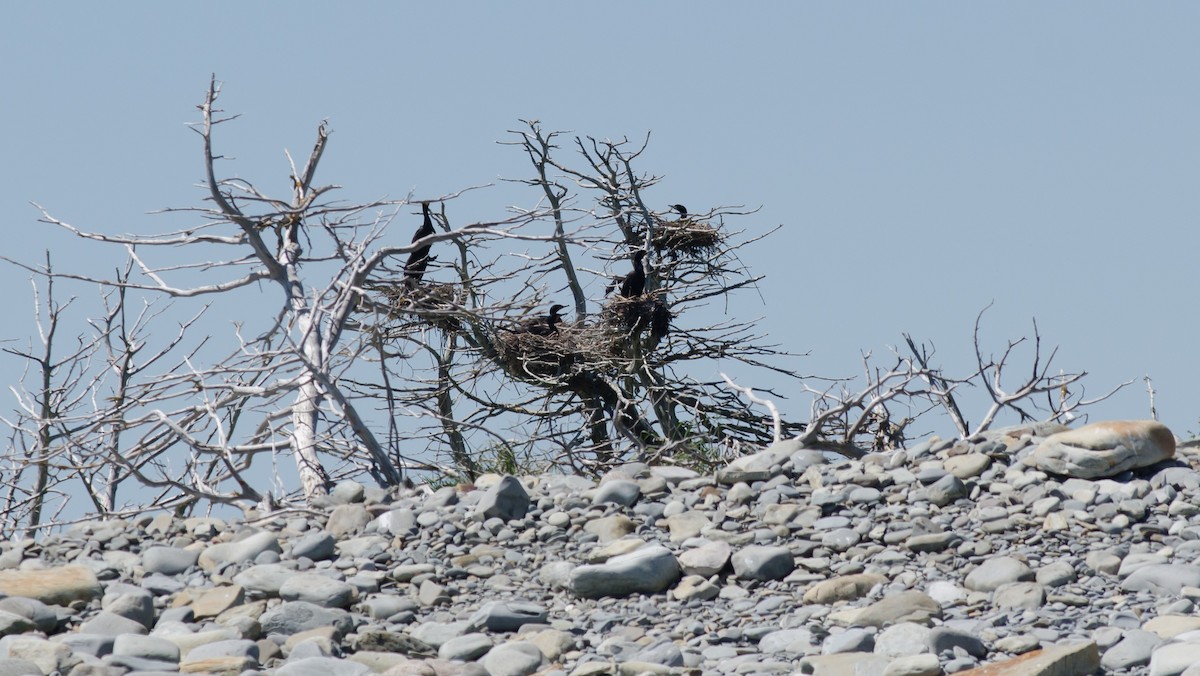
column 1029, row 550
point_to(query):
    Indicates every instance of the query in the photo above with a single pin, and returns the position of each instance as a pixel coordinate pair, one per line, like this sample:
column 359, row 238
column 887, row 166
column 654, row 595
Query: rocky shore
column 1028, row 550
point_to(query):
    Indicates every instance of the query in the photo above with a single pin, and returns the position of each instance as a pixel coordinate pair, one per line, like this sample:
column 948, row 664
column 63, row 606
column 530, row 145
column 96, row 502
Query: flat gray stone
column 648, row 570
column 228, row 648
column 1019, row 595
column 706, row 560
column 1105, row 449
column 687, row 525
column 759, row 466
column 763, row 563
column 346, row 520
column 902, row 640
column 905, row 606
column 795, row 641
column 931, row 542
column 945, row 490
column 843, row 664
column 347, row 492
column 294, row 617
column 467, row 648
column 435, row 634
column 997, row 571
column 1055, row 574
column 853, row 640
column 147, row 647
column 111, row 624
column 317, row 589
column 1133, row 650
column 1174, row 658
column 96, row 645
column 397, row 522
column 502, row 616
column 215, row 556
column 322, row 666
column 516, row 658
column 317, row 546
column 618, row 491
column 664, row 652
column 264, row 579
column 130, row 602
column 169, row 560
column 923, row 664
column 19, row 667
column 1163, row 578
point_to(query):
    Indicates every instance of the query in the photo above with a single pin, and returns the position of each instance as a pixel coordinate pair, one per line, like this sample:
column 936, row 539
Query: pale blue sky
column 924, row 159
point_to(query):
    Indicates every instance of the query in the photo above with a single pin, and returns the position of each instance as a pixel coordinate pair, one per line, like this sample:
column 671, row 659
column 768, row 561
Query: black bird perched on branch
column 414, row 269
column 660, row 320
column 545, row 326
column 634, row 283
column 682, row 210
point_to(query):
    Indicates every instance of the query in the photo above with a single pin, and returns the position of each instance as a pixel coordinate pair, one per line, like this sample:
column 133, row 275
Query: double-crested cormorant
column 660, row 321
column 545, row 326
column 634, row 283
column 682, row 210
column 414, row 269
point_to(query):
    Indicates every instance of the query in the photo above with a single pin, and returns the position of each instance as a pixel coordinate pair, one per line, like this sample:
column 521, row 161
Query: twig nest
column 545, row 360
column 637, row 314
column 551, row 360
column 686, row 237
column 436, row 304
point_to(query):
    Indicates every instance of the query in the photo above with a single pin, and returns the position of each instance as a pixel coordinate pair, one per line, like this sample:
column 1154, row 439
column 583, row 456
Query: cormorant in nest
column 682, row 210
column 660, row 320
column 543, row 326
column 634, row 283
column 414, row 269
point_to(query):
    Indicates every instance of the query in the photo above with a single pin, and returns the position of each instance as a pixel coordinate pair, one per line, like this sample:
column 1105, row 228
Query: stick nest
column 436, row 304
column 633, row 314
column 686, row 237
column 551, row 361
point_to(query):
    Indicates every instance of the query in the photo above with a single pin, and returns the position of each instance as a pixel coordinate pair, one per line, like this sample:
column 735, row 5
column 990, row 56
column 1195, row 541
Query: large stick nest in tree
column 634, row 315
column 551, row 361
column 436, row 304
column 603, row 347
column 686, row 237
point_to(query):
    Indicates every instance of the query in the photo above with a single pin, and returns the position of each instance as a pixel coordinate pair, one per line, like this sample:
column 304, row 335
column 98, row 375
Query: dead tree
column 195, row 427
column 614, row 381
column 1041, row 395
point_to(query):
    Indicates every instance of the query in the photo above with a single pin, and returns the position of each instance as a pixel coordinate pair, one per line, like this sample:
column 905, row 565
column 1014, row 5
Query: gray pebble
column 507, row 500
column 468, row 647
column 997, row 571
column 1133, row 650
column 516, row 658
column 317, row 546
column 502, row 616
column 763, row 563
column 169, row 560
column 650, row 569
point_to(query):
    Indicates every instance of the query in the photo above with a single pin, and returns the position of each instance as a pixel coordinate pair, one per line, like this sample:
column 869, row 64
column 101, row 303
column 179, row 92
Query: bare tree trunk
column 304, row 439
